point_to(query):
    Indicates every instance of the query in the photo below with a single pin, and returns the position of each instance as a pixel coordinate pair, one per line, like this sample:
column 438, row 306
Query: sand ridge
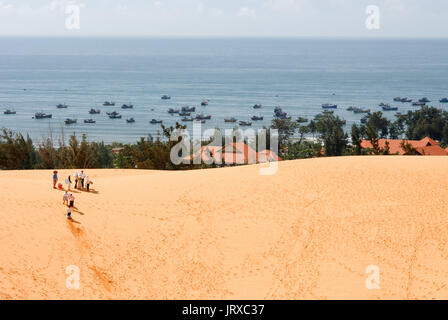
column 307, row 232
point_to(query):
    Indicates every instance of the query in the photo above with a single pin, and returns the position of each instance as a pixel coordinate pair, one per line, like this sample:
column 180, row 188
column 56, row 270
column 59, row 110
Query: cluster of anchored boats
column 186, row 112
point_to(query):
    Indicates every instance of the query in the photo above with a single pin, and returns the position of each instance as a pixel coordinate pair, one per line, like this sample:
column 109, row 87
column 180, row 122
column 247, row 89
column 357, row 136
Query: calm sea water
column 234, row 74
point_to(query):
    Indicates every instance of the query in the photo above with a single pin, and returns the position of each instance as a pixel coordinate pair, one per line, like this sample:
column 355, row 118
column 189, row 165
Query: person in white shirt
column 88, row 183
column 82, row 177
column 76, row 177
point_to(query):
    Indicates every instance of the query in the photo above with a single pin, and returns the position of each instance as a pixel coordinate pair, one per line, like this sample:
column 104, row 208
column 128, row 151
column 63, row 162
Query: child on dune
column 55, row 179
column 65, row 198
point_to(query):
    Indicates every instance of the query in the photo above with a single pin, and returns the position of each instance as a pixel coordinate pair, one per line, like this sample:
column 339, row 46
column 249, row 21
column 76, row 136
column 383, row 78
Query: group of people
column 82, row 182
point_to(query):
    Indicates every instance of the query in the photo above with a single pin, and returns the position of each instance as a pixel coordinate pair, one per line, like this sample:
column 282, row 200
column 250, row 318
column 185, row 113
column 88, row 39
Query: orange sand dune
column 307, row 232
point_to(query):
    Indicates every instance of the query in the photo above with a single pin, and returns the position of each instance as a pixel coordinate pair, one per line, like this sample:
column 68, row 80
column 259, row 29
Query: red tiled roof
column 426, row 146
column 234, row 153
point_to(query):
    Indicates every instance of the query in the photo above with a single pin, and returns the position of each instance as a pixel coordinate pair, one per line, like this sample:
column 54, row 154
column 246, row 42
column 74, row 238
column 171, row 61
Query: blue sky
column 229, row 18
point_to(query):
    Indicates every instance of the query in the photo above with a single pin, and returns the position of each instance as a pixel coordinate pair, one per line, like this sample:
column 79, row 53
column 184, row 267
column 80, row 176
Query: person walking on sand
column 72, row 201
column 69, row 213
column 65, row 198
column 55, row 179
column 68, row 182
column 88, row 183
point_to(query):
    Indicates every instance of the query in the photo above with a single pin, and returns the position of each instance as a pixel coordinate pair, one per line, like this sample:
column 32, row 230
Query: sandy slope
column 309, row 231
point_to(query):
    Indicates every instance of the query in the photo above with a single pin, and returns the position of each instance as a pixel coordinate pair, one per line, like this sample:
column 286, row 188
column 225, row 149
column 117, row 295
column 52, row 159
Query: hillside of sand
column 309, row 231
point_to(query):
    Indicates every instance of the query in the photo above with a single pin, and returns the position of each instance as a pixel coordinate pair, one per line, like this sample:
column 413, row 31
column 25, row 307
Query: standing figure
column 88, row 183
column 68, row 182
column 82, row 177
column 55, row 179
column 65, row 198
column 76, row 176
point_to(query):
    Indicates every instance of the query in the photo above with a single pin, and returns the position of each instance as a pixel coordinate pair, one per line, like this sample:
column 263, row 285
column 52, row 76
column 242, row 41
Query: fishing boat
column 70, row 121
column 257, row 106
column 328, row 112
column 188, row 109
column 185, row 119
column 389, row 108
column 95, row 111
column 360, row 110
column 245, row 124
column 350, row 108
column 406, row 100
column 398, row 114
column 329, row 106
column 444, row 100
column 165, row 97
column 256, row 118
column 62, row 106
column 230, row 120
column 130, row 120
column 397, row 99
column 302, row 120
column 108, row 104
column 89, row 121
column 127, row 106
column 9, row 112
column 198, row 121
column 184, row 114
column 172, row 111
column 382, row 104
column 424, row 100
column 41, row 115
column 154, row 121
column 204, row 103
column 278, row 113
column 202, row 117
column 417, row 104
column 114, row 115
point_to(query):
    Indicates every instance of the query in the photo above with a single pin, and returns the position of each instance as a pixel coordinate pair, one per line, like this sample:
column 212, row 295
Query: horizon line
column 224, row 37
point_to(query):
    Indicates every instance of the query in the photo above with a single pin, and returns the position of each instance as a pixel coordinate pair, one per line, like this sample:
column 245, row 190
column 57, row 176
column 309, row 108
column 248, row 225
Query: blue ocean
column 299, row 75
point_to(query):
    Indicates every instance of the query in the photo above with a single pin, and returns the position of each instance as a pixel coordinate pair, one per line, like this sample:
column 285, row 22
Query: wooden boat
column 230, row 120
column 154, row 121
column 41, row 115
column 89, row 121
column 62, row 106
column 127, row 106
column 202, row 117
column 130, row 120
column 95, row 111
column 245, row 124
column 256, row 118
column 108, row 104
column 9, row 112
column 70, row 121
column 302, row 120
column 172, row 111
column 188, row 109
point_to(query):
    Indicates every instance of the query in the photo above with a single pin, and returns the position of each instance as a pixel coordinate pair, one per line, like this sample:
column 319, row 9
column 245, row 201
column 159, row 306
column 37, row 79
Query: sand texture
column 307, row 232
